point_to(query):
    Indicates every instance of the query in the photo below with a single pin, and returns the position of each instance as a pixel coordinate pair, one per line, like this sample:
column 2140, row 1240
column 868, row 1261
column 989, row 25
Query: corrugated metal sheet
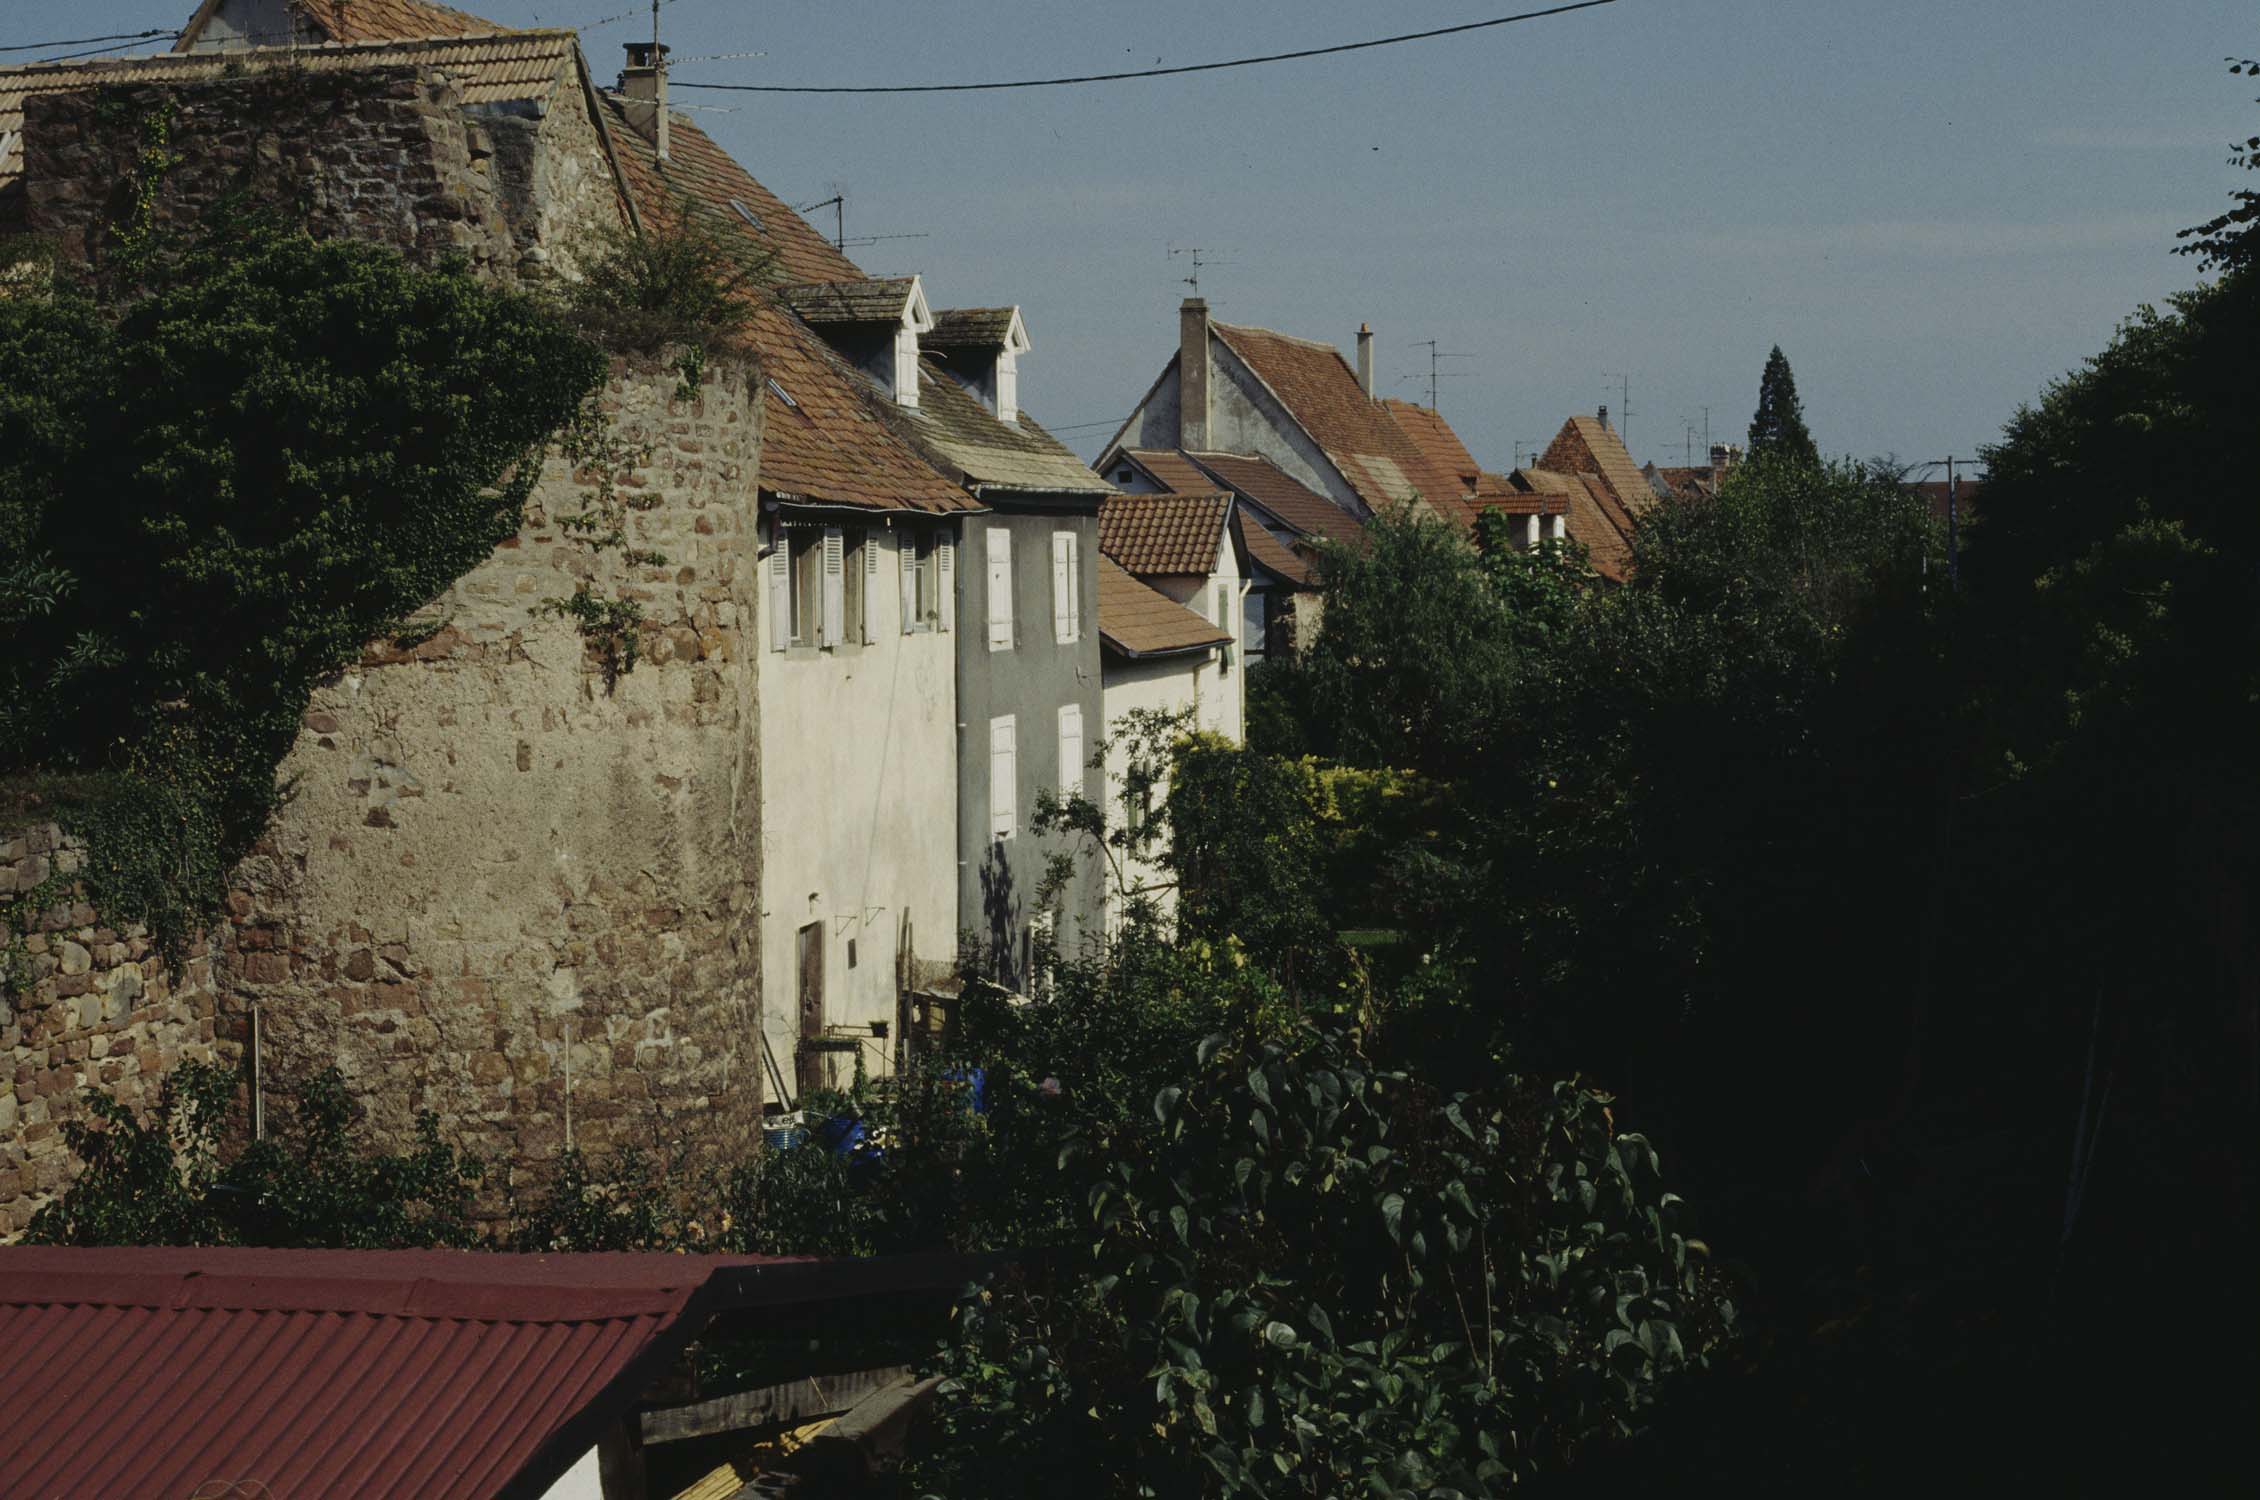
column 432, row 1375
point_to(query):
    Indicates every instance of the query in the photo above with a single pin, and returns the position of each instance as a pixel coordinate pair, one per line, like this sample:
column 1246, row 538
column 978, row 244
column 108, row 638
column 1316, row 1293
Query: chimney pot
column 1604, row 417
column 1365, row 358
column 644, row 81
column 1192, row 375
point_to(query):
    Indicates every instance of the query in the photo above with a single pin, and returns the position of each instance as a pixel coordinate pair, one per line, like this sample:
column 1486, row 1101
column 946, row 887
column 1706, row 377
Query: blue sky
column 1933, row 207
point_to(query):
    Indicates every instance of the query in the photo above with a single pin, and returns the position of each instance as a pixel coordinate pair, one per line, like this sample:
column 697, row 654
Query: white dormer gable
column 917, row 318
column 1007, row 375
column 981, row 349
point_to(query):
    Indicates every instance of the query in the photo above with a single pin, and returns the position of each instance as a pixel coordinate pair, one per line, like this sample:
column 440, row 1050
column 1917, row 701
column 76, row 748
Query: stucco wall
column 998, row 881
column 1243, row 418
column 859, row 748
column 1164, row 684
column 506, row 892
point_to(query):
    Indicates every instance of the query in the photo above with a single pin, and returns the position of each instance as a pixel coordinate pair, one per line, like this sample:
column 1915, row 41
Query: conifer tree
column 1778, row 428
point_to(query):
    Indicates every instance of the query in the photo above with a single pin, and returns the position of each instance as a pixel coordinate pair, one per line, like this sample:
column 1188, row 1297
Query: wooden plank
column 794, row 1401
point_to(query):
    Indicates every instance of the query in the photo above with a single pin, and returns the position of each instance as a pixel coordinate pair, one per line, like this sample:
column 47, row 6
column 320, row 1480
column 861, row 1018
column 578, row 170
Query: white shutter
column 1004, row 780
column 1000, row 588
column 906, row 547
column 1074, row 591
column 1063, row 587
column 835, row 586
column 870, row 585
column 1071, row 750
column 945, row 555
column 780, row 590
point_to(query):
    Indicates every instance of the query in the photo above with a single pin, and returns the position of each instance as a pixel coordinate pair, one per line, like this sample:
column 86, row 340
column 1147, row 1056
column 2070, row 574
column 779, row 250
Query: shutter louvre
column 870, row 585
column 945, row 554
column 1000, row 588
column 906, row 547
column 1003, row 777
column 1071, row 750
column 1063, row 587
column 835, row 587
column 780, row 590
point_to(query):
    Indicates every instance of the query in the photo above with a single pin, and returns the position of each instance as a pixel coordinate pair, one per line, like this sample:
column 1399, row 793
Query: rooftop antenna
column 1196, row 252
column 837, row 203
column 1624, row 409
column 1434, row 375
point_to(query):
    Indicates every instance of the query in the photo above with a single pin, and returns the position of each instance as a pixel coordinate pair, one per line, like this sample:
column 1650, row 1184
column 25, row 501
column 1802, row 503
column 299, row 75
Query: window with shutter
column 780, row 590
column 1004, row 773
column 833, row 625
column 906, row 548
column 1000, row 588
column 804, row 546
column 1063, row 587
column 1071, row 750
column 945, row 552
column 863, row 579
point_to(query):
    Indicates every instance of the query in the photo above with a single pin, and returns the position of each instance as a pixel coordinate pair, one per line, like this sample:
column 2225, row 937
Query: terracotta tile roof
column 1586, row 446
column 829, row 435
column 1501, row 492
column 1286, row 500
column 1316, row 385
column 956, row 429
column 701, row 172
column 880, row 300
column 970, row 327
column 1602, row 525
column 1137, row 620
column 439, row 1375
column 1271, row 553
column 1435, row 438
column 1692, row 482
column 1164, row 534
column 1170, row 469
column 357, row 21
column 489, row 70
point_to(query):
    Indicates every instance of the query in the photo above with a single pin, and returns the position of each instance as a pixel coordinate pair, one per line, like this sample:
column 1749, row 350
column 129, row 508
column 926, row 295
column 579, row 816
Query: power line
column 1237, row 62
column 83, row 41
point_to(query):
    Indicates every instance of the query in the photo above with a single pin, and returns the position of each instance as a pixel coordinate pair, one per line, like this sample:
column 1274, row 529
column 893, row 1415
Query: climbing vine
column 254, row 457
column 597, row 452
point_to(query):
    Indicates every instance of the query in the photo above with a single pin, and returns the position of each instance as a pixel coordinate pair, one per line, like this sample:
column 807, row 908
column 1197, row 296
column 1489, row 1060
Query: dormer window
column 983, row 346
column 876, row 324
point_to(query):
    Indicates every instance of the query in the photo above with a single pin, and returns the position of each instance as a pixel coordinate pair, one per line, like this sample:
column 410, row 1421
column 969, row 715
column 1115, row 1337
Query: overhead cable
column 1211, row 67
column 83, row 41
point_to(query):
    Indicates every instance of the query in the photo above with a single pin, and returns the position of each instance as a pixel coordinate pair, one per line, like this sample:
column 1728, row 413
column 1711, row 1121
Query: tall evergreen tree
column 1778, row 428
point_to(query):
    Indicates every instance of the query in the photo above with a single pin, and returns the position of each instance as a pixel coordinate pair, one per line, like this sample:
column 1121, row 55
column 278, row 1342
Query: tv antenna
column 837, row 203
column 1435, row 356
column 1194, row 252
column 1624, row 408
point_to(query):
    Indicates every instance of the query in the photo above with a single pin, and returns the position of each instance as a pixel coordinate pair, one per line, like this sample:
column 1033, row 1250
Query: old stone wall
column 387, row 154
column 516, row 893
column 86, row 1005
column 507, row 885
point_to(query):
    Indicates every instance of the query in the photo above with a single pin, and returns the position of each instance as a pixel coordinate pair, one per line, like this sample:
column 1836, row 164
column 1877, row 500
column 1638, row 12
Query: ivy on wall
column 217, row 484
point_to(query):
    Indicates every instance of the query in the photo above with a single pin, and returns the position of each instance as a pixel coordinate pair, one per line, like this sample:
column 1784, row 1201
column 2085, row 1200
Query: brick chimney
column 644, row 84
column 1192, row 374
column 1365, row 358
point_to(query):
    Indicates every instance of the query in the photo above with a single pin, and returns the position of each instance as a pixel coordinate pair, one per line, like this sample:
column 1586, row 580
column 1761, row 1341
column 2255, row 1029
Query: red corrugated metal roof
column 427, row 1374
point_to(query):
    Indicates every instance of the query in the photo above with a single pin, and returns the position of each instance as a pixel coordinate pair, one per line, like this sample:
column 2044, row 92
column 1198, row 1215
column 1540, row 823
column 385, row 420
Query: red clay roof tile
column 1157, row 534
column 1138, row 620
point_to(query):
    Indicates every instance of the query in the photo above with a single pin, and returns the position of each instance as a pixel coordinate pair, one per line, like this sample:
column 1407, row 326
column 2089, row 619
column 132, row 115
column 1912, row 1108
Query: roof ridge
column 1292, row 338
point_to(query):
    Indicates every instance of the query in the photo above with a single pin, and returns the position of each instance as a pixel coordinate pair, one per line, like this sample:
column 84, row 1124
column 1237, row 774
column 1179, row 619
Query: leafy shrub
column 682, row 281
column 1306, row 1275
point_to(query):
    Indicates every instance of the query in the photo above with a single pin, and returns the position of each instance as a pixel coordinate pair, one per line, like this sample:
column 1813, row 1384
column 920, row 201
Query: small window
column 1071, row 750
column 1000, row 588
column 1004, row 773
column 1066, row 590
column 855, row 598
column 749, row 216
column 805, row 545
column 784, row 395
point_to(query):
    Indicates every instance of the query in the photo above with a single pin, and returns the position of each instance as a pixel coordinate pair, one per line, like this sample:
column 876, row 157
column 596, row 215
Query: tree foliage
column 1777, row 428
